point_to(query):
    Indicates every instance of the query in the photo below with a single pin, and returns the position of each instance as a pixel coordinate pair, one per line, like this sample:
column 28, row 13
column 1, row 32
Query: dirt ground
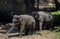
column 38, row 35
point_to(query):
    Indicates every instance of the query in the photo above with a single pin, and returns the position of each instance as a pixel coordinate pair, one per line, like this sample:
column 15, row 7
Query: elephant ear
column 51, row 17
column 21, row 19
column 35, row 15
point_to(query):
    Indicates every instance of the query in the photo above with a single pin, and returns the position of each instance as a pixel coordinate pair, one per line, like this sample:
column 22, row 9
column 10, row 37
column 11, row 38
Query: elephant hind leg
column 26, row 31
column 32, row 29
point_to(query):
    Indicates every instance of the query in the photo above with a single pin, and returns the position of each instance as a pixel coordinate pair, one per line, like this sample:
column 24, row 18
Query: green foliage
column 57, row 28
column 57, row 31
column 55, row 13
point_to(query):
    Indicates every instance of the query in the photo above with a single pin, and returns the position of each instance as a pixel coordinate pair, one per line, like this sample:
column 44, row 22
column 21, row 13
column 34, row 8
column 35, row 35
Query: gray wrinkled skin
column 27, row 22
column 43, row 16
column 24, row 22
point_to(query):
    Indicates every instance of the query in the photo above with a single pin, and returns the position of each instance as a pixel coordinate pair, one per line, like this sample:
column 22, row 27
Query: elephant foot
column 20, row 36
column 6, row 37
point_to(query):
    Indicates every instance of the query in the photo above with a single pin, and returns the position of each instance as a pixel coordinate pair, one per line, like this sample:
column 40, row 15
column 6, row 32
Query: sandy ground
column 38, row 35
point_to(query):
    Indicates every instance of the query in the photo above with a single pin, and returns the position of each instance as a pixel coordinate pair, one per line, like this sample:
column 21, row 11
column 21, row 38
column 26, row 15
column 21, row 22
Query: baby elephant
column 24, row 22
column 44, row 18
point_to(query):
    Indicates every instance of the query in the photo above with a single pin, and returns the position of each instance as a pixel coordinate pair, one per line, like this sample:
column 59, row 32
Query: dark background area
column 10, row 7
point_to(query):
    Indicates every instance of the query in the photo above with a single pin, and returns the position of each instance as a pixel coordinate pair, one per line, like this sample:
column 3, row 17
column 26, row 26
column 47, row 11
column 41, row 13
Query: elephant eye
column 15, row 22
column 17, row 18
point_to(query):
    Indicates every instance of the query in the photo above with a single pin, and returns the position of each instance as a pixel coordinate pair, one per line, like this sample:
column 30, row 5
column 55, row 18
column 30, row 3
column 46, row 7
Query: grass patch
column 57, row 31
column 57, row 35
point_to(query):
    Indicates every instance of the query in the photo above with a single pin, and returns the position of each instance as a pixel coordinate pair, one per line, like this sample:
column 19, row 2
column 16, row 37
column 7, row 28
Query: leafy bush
column 56, row 16
column 57, row 31
column 57, row 28
column 55, row 13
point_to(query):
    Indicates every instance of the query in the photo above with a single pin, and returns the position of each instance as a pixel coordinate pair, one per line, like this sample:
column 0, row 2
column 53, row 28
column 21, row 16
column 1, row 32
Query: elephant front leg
column 40, row 25
column 34, row 28
column 22, row 28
